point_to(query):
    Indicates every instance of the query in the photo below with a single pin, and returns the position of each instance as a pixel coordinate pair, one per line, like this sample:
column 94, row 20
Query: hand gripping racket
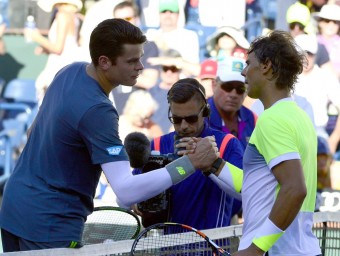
column 168, row 238
column 108, row 224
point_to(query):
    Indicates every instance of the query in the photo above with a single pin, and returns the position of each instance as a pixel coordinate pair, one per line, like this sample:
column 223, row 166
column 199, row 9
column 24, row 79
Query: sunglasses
column 328, row 21
column 173, row 69
column 294, row 24
column 189, row 119
column 228, row 87
column 128, row 18
column 165, row 11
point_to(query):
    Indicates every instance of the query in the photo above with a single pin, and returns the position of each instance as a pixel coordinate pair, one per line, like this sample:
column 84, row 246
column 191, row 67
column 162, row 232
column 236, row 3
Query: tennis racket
column 109, row 224
column 174, row 239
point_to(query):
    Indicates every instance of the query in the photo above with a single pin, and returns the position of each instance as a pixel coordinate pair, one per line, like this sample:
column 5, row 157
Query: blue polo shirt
column 50, row 193
column 247, row 122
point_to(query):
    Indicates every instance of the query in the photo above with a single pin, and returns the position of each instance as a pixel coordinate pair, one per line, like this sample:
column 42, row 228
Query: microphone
column 137, row 146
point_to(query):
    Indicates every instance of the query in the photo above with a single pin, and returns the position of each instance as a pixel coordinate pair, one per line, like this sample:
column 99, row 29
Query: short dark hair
column 109, row 37
column 280, row 49
column 185, row 89
column 125, row 4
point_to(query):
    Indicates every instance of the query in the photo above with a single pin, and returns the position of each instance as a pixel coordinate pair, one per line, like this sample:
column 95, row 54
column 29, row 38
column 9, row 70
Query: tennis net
column 326, row 227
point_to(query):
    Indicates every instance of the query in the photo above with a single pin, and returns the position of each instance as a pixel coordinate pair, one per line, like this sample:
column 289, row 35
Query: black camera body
column 160, row 202
column 157, row 208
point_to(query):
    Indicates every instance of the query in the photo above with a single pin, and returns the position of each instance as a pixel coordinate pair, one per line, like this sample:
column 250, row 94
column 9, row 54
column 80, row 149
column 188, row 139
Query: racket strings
column 105, row 226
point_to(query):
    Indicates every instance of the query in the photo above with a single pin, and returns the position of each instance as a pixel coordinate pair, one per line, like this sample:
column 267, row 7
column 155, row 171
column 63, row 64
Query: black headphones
column 206, row 110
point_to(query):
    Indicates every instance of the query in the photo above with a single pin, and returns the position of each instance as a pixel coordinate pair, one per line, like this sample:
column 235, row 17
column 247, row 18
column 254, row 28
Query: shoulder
column 65, row 17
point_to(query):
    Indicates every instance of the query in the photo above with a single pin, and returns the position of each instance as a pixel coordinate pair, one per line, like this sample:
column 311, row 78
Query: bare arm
column 65, row 23
column 292, row 193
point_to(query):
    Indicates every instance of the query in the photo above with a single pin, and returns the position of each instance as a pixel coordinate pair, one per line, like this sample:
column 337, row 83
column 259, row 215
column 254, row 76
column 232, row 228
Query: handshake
column 202, row 152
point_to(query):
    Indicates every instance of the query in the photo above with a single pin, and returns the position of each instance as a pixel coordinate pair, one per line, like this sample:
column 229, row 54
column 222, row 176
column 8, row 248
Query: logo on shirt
column 237, row 66
column 114, row 151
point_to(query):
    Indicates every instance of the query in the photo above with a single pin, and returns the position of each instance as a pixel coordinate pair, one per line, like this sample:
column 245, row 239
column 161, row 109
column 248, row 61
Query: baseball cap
column 168, row 5
column 323, row 147
column 230, row 69
column 298, row 13
column 307, row 43
column 208, row 69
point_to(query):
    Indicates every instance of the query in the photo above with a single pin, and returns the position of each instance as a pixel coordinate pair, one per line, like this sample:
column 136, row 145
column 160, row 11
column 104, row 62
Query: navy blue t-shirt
column 50, row 193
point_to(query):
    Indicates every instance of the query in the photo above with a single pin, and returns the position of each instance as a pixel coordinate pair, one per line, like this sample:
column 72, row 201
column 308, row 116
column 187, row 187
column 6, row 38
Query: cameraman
column 196, row 201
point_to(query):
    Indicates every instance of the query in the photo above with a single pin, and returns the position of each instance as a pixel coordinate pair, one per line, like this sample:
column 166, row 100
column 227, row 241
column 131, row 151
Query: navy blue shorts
column 13, row 243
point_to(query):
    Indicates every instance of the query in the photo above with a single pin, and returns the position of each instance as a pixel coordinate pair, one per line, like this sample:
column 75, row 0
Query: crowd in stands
column 197, row 39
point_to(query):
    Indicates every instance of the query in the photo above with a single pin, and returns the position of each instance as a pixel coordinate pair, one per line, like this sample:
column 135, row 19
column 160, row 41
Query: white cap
column 307, row 43
column 329, row 12
column 47, row 5
column 230, row 69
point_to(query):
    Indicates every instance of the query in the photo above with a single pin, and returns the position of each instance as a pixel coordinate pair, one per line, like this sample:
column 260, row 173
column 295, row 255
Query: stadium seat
column 18, row 107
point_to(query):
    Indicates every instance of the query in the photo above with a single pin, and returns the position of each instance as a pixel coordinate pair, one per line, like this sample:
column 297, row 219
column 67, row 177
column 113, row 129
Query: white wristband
column 267, row 235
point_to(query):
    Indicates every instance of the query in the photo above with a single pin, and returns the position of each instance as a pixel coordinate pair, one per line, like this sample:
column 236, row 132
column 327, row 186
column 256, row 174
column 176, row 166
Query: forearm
column 286, row 207
column 131, row 189
column 230, row 177
column 128, row 188
column 47, row 45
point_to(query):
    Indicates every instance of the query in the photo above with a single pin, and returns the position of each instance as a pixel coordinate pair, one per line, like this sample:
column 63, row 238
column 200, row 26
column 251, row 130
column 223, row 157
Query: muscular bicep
column 289, row 173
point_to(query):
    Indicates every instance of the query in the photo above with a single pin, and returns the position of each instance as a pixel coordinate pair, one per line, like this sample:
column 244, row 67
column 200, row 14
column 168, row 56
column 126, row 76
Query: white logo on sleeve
column 114, row 151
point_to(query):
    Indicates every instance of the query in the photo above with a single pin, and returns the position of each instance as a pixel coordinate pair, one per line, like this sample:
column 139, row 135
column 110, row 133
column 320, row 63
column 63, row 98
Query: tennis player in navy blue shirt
column 73, row 139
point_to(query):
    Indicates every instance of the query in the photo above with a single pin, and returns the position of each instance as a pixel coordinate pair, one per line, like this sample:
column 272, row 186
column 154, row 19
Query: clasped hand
column 202, row 152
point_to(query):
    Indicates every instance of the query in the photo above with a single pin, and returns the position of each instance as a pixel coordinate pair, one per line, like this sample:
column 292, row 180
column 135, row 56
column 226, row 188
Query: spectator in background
column 317, row 85
column 314, row 5
column 207, row 76
column 324, row 160
column 128, row 11
column 137, row 115
column 169, row 74
column 172, row 36
column 227, row 112
column 299, row 21
column 227, row 41
column 329, row 27
column 62, row 42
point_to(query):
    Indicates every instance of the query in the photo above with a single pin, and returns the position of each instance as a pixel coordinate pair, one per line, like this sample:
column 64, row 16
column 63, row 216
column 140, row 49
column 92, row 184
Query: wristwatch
column 216, row 165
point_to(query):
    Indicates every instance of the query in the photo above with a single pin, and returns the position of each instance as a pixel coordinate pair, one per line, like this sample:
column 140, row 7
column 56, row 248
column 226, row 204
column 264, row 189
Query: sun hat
column 307, row 43
column 233, row 32
column 168, row 5
column 230, row 69
column 329, row 12
column 208, row 69
column 298, row 13
column 47, row 5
